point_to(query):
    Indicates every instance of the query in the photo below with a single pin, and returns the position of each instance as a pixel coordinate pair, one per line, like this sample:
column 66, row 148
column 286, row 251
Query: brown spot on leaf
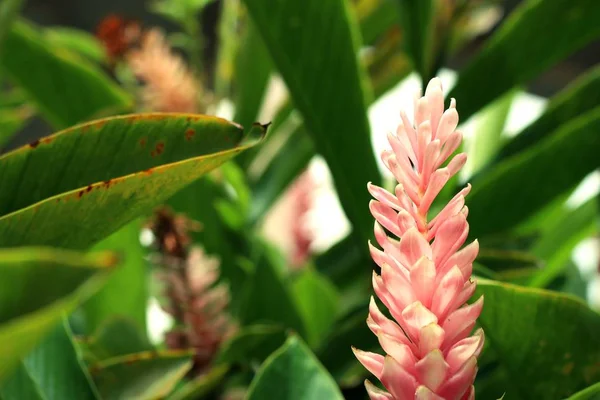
column 47, row 140
column 107, row 183
column 189, row 134
column 34, row 144
column 158, row 150
column 143, row 142
column 89, row 188
column 148, row 171
column 566, row 370
column 80, row 193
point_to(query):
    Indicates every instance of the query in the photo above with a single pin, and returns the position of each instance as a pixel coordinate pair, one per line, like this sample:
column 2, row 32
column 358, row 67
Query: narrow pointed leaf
column 520, row 185
column 534, row 37
column 578, row 98
column 43, row 285
column 327, row 85
column 106, row 173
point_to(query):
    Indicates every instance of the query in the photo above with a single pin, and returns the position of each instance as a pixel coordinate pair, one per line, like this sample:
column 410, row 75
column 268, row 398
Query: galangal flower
column 425, row 278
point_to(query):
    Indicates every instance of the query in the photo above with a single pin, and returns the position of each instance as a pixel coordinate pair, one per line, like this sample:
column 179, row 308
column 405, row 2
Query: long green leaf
column 590, row 393
column 106, row 173
column 534, row 37
column 77, row 41
column 418, row 20
column 578, row 98
column 520, row 185
column 531, row 347
column 9, row 9
column 252, row 71
column 141, row 376
column 41, row 285
column 293, row 373
column 126, row 291
column 556, row 245
column 65, row 88
column 327, row 85
column 53, row 369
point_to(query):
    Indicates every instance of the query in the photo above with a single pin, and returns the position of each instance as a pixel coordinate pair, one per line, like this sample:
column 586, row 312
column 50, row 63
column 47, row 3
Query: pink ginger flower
column 425, row 279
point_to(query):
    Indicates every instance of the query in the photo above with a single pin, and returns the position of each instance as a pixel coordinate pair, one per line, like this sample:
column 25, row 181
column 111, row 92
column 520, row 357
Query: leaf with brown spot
column 107, row 157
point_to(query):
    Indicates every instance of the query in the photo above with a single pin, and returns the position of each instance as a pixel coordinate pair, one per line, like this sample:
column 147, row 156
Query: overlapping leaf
column 105, row 173
column 43, row 285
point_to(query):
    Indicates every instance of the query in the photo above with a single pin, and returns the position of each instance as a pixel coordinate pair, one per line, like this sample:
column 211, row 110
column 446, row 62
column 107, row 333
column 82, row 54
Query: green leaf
column 350, row 331
column 293, row 373
column 44, row 283
column 77, row 41
column 517, row 52
column 376, row 17
column 557, row 244
column 418, row 21
column 117, row 336
column 202, row 385
column 51, row 371
column 11, row 122
column 269, row 300
column 590, row 393
column 318, row 302
column 252, row 71
column 126, row 291
column 531, row 348
column 579, row 97
column 252, row 343
column 289, row 161
column 65, row 88
column 147, row 375
column 107, row 172
column 488, row 133
column 520, row 185
column 9, row 9
column 228, row 48
column 327, row 85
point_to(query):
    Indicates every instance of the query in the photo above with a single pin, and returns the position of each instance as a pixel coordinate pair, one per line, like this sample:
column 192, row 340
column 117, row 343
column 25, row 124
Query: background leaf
column 126, row 291
column 59, row 280
column 52, row 369
column 77, row 91
column 522, row 184
column 318, row 302
column 517, row 52
column 148, row 375
column 326, row 83
column 293, row 373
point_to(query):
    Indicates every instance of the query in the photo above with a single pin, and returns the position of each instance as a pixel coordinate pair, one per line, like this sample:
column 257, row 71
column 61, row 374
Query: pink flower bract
column 425, row 278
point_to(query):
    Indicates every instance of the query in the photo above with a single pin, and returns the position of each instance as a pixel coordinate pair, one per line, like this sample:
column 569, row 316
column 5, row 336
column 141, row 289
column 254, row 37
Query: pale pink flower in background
column 169, row 85
column 425, row 279
column 302, row 235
